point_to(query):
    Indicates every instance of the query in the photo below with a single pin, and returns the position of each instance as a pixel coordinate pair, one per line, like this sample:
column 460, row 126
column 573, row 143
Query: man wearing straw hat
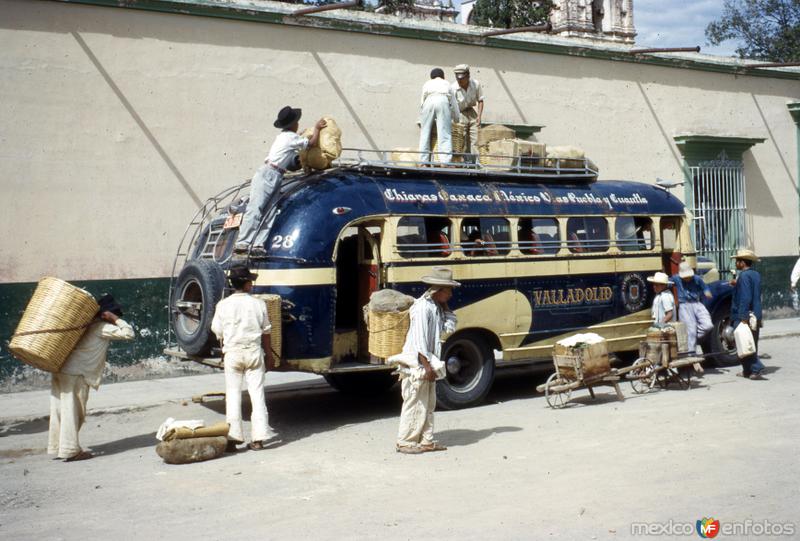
column 69, row 390
column 691, row 310
column 419, row 363
column 746, row 308
column 663, row 310
column 243, row 328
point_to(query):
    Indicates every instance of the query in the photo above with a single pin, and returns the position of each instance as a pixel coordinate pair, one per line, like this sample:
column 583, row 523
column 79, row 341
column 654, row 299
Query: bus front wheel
column 469, row 362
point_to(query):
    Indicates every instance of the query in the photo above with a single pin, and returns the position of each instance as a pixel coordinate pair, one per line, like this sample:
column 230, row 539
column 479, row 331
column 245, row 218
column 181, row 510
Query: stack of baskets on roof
column 55, row 319
column 387, row 316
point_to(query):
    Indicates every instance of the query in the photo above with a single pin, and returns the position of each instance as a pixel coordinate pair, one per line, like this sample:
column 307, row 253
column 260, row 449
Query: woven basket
column 274, row 314
column 55, row 319
column 387, row 332
column 457, row 137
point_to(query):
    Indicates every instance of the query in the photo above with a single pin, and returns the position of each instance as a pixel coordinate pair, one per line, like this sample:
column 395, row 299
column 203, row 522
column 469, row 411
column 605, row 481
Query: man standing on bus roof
column 746, row 308
column 469, row 96
column 69, row 391
column 243, row 328
column 438, row 105
column 690, row 290
column 267, row 181
column 419, row 363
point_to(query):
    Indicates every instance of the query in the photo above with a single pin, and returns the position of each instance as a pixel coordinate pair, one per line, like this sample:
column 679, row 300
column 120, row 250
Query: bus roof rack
column 518, row 168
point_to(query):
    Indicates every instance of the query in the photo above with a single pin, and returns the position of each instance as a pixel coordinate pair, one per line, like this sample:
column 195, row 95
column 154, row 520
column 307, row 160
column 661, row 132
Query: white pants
column 698, row 322
column 469, row 119
column 416, row 417
column 248, row 366
column 68, row 396
column 436, row 109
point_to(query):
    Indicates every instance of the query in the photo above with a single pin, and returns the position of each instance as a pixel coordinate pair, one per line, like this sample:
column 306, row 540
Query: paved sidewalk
column 30, row 405
column 780, row 328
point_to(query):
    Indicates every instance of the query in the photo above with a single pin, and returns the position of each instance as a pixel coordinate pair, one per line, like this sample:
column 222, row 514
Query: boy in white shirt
column 438, row 105
column 267, row 180
column 664, row 304
column 243, row 328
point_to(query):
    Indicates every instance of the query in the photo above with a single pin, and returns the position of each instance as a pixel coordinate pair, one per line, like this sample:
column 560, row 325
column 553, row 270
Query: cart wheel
column 642, row 376
column 556, row 400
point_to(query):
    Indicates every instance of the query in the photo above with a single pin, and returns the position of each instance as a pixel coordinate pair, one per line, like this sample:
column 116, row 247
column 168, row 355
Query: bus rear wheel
column 720, row 339
column 469, row 362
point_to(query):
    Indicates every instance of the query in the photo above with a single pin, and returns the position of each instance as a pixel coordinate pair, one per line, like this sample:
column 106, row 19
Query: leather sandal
column 256, row 446
column 407, row 450
column 430, row 447
column 83, row 455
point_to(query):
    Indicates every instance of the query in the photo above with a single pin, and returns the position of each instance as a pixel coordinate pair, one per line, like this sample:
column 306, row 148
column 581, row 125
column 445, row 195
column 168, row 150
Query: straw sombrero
column 748, row 255
column 440, row 276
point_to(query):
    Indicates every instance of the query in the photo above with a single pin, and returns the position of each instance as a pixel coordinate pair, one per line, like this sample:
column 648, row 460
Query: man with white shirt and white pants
column 243, row 328
column 469, row 96
column 438, row 105
column 419, row 363
column 267, row 181
column 83, row 368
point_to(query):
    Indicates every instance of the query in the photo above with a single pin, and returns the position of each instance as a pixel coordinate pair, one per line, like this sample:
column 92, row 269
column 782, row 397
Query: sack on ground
column 191, row 450
column 745, row 343
column 328, row 149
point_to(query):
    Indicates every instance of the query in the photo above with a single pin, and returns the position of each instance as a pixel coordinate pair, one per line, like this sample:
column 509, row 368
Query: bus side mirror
column 668, row 240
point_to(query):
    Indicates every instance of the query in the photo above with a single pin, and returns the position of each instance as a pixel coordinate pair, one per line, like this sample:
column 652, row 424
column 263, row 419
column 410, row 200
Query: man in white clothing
column 420, row 365
column 69, row 389
column 469, row 96
column 438, row 105
column 266, row 182
column 243, row 328
column 793, row 279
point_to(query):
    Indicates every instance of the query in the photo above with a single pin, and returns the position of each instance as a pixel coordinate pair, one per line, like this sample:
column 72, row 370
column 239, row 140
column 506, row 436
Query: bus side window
column 538, row 236
column 422, row 236
column 485, row 236
column 634, row 233
column 587, row 234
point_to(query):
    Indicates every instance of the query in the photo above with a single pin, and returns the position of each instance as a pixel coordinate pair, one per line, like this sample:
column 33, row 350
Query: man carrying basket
column 69, row 390
column 419, row 363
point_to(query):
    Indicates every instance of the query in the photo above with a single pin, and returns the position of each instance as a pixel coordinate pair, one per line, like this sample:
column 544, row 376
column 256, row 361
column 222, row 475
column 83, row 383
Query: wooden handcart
column 661, row 363
column 572, row 374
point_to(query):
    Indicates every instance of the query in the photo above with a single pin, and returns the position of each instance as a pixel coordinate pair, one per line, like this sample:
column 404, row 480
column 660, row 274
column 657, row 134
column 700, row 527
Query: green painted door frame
column 794, row 109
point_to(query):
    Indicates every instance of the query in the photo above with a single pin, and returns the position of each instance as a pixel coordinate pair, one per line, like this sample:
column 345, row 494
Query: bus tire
column 362, row 383
column 197, row 291
column 469, row 363
column 724, row 352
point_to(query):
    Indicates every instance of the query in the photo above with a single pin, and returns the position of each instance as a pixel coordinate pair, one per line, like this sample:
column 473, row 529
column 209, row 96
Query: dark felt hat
column 241, row 272
column 287, row 116
column 108, row 304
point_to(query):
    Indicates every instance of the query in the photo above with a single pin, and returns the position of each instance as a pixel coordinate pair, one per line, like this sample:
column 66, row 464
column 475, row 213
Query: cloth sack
column 192, row 450
column 745, row 343
column 329, row 148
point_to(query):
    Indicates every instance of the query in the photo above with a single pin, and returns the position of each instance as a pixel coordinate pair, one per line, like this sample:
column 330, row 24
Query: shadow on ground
column 460, row 437
column 125, row 444
column 20, row 428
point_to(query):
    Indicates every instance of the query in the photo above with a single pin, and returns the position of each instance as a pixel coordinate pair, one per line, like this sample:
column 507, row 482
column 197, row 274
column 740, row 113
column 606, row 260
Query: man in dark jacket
column 747, row 301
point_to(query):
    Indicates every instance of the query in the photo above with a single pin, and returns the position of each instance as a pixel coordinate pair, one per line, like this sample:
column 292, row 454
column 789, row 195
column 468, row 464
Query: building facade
column 117, row 122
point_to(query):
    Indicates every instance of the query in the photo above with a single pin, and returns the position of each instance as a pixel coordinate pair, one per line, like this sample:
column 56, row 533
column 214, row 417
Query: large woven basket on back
column 55, row 319
column 274, row 314
column 387, row 332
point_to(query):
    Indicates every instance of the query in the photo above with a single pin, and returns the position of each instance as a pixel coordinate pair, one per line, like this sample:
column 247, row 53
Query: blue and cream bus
column 541, row 252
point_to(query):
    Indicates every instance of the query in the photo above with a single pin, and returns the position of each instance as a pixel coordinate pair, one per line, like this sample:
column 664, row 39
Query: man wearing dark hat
column 83, row 368
column 746, row 307
column 469, row 95
column 243, row 328
column 267, row 180
column 420, row 365
column 438, row 106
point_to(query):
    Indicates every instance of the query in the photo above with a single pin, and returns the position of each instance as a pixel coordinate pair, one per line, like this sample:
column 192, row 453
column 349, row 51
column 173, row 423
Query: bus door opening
column 670, row 249
column 369, row 279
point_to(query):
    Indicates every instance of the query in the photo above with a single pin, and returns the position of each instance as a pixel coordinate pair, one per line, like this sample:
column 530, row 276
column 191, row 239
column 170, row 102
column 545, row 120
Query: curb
column 788, row 334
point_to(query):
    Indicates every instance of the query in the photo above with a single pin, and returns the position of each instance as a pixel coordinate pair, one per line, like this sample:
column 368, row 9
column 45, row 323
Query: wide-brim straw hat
column 440, row 276
column 748, row 255
column 659, row 278
column 685, row 270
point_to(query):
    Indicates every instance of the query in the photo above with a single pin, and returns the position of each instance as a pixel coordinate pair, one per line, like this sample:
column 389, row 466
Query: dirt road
column 515, row 469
